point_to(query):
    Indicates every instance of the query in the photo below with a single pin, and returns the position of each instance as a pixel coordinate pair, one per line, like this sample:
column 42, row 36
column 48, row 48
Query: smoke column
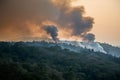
column 17, row 16
column 21, row 18
column 53, row 31
column 73, row 18
column 88, row 37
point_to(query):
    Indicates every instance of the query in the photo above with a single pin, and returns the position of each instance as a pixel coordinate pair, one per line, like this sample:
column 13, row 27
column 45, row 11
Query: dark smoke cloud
column 53, row 31
column 73, row 18
column 88, row 37
column 16, row 16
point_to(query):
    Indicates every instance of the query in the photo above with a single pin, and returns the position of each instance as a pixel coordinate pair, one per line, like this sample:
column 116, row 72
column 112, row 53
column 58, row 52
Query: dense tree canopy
column 19, row 61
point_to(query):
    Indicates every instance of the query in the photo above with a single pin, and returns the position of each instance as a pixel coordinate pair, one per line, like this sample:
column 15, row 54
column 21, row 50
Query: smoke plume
column 73, row 18
column 18, row 16
column 53, row 31
column 88, row 37
column 21, row 18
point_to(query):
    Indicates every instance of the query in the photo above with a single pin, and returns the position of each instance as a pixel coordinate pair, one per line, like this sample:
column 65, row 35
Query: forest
column 19, row 61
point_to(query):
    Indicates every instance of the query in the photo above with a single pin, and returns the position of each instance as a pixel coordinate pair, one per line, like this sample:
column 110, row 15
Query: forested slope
column 21, row 62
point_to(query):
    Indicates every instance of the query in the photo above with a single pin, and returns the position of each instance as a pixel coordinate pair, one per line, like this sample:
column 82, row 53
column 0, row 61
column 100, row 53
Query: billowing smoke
column 73, row 18
column 88, row 37
column 53, row 31
column 21, row 18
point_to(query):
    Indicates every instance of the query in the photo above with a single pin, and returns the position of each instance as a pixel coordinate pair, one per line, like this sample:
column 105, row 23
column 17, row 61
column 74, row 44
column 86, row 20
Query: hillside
column 19, row 61
column 112, row 50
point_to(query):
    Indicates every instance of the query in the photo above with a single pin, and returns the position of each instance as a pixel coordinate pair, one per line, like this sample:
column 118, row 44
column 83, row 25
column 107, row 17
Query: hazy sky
column 106, row 14
column 24, row 19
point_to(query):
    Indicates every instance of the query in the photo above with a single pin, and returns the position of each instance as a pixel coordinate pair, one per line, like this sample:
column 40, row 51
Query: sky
column 107, row 19
column 26, row 20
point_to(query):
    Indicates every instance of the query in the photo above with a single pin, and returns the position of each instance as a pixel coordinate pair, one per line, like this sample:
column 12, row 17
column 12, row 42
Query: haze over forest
column 59, row 40
column 72, row 20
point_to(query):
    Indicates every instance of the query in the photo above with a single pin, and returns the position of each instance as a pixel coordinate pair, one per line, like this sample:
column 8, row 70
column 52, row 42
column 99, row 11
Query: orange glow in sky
column 25, row 19
column 106, row 14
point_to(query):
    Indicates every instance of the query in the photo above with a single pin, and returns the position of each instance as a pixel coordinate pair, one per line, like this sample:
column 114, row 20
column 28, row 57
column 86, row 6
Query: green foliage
column 19, row 61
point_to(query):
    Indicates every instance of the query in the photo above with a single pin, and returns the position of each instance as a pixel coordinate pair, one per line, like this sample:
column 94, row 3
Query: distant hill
column 80, row 46
column 112, row 50
column 19, row 61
